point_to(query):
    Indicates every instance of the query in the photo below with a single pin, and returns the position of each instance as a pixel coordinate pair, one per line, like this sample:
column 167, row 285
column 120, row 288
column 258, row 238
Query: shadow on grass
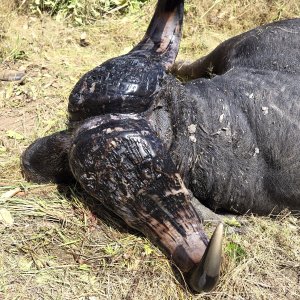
column 96, row 207
column 112, row 220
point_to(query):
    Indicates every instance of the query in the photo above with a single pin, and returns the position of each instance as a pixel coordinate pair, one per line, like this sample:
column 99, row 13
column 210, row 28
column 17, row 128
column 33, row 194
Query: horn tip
column 206, row 275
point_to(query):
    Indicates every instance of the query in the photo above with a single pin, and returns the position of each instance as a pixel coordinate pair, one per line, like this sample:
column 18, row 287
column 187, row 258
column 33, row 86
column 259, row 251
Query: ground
column 56, row 243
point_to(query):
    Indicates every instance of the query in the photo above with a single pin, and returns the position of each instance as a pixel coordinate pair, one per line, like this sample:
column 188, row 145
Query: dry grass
column 58, row 247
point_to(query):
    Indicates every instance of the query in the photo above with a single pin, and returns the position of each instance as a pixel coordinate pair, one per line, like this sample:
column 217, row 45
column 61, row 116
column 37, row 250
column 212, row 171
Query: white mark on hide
column 250, row 96
column 193, row 138
column 110, row 130
column 265, row 110
column 113, row 144
column 92, row 88
column 192, row 128
column 256, row 151
column 221, row 118
column 124, row 116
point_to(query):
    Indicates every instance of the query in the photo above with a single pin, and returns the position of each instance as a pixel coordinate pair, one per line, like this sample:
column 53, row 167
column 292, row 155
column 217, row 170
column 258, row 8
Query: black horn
column 129, row 83
column 164, row 32
column 120, row 161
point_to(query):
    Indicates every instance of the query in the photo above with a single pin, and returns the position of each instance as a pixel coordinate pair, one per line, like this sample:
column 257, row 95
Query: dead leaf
column 10, row 193
column 6, row 217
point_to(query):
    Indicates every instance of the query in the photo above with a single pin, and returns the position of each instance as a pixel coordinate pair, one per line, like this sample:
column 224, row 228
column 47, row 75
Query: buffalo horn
column 206, row 274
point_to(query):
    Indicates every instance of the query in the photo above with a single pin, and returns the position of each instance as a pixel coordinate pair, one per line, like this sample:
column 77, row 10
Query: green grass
column 62, row 245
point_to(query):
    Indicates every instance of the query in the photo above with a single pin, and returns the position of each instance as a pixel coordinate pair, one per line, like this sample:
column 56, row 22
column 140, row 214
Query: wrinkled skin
column 247, row 122
column 138, row 138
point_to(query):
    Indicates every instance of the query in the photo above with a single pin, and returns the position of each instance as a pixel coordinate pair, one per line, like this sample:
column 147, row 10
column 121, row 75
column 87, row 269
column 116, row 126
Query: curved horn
column 205, row 275
column 164, row 32
column 129, row 83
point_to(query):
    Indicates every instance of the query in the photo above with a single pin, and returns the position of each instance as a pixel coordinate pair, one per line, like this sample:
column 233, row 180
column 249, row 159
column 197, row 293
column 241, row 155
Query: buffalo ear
column 46, row 160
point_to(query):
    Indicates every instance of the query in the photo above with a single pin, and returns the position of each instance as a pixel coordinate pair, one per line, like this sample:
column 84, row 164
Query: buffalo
column 142, row 142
